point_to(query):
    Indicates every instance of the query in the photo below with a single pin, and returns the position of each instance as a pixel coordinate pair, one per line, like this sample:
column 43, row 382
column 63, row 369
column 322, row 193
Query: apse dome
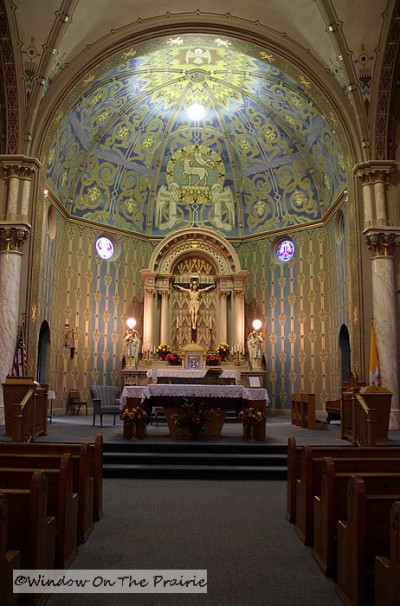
column 125, row 153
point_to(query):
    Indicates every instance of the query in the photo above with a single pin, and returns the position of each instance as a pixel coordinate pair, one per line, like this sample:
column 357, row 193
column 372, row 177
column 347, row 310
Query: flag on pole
column 374, row 371
column 20, row 362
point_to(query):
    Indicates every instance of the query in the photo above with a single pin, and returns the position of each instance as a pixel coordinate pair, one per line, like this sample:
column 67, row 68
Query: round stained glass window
column 285, row 250
column 104, row 247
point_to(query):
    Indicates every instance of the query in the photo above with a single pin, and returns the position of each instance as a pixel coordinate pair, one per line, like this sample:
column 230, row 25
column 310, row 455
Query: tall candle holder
column 237, row 363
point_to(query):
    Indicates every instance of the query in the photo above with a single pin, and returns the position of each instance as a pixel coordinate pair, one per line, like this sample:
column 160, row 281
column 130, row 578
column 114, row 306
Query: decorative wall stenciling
column 124, row 153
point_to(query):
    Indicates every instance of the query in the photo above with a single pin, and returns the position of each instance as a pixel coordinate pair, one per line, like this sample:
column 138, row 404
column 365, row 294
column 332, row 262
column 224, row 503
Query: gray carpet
column 235, row 530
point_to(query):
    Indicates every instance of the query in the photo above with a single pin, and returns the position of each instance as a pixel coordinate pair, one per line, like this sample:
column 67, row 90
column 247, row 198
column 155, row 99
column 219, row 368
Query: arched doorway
column 344, row 348
column 43, row 353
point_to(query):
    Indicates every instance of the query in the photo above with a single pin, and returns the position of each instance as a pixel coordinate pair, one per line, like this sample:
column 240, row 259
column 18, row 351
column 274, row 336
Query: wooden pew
column 333, row 409
column 309, row 483
column 94, row 456
column 303, row 411
column 387, row 569
column 82, row 481
column 381, row 476
column 62, row 503
column 360, row 538
column 30, row 530
column 10, row 560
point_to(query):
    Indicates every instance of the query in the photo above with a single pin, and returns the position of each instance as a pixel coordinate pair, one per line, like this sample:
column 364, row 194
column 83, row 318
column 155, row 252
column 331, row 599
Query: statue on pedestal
column 132, row 341
column 254, row 345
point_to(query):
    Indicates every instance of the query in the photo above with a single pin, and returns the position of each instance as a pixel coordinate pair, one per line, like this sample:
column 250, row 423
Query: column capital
column 12, row 237
column 382, row 241
column 374, row 171
column 18, row 166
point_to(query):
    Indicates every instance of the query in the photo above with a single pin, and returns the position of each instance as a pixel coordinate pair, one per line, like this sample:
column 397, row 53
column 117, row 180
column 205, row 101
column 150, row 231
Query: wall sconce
column 69, row 340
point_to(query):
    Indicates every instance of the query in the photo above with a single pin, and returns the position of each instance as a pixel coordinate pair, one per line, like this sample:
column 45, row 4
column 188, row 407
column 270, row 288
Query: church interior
column 283, row 195
column 199, row 201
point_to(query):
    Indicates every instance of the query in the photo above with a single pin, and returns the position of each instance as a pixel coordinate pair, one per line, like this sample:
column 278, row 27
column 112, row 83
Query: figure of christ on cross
column 193, row 294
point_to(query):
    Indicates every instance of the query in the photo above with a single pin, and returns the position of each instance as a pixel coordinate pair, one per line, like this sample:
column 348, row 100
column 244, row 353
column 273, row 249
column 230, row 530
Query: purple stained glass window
column 104, row 247
column 285, row 250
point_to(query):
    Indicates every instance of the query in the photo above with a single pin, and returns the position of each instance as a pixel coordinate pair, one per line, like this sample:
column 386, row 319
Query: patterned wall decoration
column 94, row 297
column 267, row 155
column 302, row 304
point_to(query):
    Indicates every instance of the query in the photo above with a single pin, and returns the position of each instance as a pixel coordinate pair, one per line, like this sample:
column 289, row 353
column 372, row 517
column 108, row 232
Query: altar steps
column 187, row 460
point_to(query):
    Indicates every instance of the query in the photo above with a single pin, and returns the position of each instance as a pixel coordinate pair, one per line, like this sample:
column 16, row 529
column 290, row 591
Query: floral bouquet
column 213, row 359
column 194, row 416
column 222, row 350
column 163, row 350
column 174, row 358
column 135, row 415
column 251, row 415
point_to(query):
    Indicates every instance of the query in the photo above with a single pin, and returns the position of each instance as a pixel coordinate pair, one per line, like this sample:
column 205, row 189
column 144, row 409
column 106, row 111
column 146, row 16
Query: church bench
column 333, row 409
column 303, row 411
column 10, row 559
column 361, row 536
column 30, row 529
column 387, row 569
column 381, row 476
column 82, row 482
column 62, row 503
column 94, row 456
column 309, row 482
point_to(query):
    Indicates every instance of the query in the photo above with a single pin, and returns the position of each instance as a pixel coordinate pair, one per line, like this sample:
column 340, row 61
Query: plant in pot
column 194, row 416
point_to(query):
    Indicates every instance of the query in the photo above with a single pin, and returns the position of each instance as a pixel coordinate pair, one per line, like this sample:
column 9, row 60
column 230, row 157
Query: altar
column 217, row 397
column 191, row 376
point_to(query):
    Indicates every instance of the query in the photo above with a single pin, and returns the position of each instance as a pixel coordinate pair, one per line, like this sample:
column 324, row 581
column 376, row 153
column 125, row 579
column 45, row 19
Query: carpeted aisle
column 235, row 530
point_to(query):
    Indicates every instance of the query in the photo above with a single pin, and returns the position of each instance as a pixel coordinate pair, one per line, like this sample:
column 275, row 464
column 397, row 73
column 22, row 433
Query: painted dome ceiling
column 264, row 157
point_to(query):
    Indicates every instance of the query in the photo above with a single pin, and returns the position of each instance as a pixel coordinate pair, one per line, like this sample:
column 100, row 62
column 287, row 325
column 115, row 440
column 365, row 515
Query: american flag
column 20, row 362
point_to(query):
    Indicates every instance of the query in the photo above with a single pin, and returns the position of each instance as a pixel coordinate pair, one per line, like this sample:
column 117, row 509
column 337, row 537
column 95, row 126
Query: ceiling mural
column 265, row 156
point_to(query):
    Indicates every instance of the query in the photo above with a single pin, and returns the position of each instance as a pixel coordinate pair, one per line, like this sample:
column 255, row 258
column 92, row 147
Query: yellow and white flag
column 374, row 371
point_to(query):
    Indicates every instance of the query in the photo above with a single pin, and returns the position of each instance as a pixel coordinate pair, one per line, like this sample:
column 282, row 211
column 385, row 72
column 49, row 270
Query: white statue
column 255, row 343
column 132, row 341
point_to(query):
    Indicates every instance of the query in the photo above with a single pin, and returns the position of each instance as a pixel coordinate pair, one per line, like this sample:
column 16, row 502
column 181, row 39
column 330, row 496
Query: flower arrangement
column 194, row 416
column 135, row 415
column 163, row 350
column 251, row 415
column 222, row 350
column 174, row 358
column 213, row 359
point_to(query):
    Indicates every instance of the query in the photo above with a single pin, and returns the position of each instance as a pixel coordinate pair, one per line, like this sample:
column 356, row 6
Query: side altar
column 216, row 397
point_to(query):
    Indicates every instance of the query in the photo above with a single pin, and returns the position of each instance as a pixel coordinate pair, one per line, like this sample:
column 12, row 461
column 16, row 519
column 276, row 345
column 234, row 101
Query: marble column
column 223, row 317
column 238, row 319
column 149, row 284
column 164, row 325
column 17, row 172
column 374, row 176
column 11, row 241
column 382, row 242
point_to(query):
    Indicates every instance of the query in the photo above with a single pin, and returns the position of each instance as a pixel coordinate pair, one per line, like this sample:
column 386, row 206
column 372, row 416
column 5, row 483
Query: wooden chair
column 74, row 400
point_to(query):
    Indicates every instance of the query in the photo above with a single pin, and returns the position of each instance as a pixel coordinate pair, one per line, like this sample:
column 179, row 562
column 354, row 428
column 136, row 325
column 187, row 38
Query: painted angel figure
column 223, row 196
column 166, row 206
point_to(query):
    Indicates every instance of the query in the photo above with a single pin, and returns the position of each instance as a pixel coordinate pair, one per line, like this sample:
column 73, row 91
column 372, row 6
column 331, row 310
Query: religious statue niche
column 194, row 312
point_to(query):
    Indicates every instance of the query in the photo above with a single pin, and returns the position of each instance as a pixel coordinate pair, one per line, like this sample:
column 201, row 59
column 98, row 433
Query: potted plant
column 163, row 350
column 174, row 359
column 213, row 359
column 222, row 350
column 251, row 417
column 135, row 420
column 194, row 416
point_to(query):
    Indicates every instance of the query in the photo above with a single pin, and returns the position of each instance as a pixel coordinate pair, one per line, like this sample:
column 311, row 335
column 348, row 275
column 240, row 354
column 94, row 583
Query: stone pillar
column 223, row 317
column 164, row 325
column 382, row 242
column 238, row 309
column 374, row 176
column 148, row 305
column 17, row 172
column 12, row 238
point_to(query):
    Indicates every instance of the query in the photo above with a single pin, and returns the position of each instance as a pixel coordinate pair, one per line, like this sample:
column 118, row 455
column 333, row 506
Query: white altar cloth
column 189, row 373
column 197, row 391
